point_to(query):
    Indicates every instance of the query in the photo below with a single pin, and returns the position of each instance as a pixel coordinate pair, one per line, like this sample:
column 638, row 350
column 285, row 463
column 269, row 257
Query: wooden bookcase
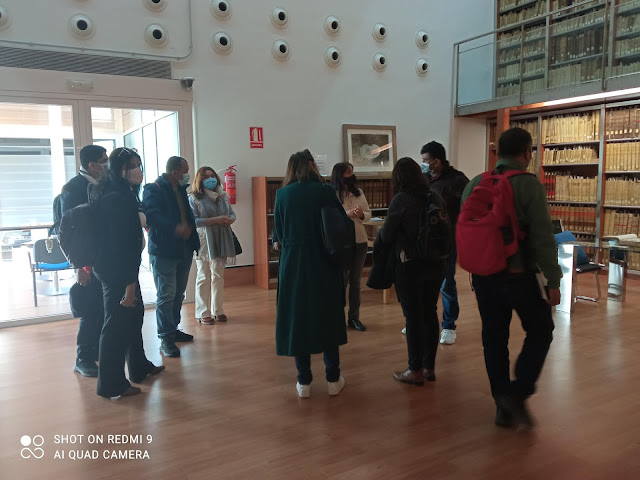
column 376, row 187
column 589, row 162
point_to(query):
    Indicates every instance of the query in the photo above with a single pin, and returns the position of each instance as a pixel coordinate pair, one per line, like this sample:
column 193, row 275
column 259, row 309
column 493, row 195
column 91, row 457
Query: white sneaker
column 336, row 387
column 448, row 337
column 404, row 331
column 304, row 391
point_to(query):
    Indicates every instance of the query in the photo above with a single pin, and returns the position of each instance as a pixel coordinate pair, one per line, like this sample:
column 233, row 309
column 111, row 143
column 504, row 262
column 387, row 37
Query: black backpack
column 79, row 234
column 338, row 236
column 57, row 215
column 435, row 236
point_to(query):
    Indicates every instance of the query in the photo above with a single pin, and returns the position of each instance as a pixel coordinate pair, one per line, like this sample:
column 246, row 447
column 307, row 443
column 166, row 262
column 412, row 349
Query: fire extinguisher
column 230, row 184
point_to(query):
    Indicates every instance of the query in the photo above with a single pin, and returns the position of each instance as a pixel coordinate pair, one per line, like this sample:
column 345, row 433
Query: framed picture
column 370, row 148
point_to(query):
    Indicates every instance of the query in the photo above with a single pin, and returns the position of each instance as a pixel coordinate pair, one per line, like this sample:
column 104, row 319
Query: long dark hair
column 337, row 180
column 119, row 161
column 407, row 177
column 301, row 168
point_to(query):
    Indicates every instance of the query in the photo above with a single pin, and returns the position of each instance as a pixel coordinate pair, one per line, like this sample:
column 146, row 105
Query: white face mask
column 133, row 176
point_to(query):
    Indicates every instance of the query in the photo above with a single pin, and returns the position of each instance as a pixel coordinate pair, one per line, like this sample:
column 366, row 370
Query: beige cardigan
column 350, row 202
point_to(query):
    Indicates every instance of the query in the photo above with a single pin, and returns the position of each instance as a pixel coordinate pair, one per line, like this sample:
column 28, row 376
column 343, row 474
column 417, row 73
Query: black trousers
column 331, row 363
column 120, row 340
column 418, row 287
column 353, row 278
column 91, row 321
column 498, row 295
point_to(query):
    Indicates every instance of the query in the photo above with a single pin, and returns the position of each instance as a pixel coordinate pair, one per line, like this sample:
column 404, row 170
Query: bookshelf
column 376, row 188
column 590, row 167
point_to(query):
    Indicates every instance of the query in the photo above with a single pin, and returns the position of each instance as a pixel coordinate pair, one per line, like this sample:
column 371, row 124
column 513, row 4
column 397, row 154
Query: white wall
column 301, row 103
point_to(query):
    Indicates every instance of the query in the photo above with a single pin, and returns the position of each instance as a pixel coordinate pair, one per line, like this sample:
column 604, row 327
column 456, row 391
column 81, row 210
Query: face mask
column 425, row 168
column 349, row 181
column 133, row 176
column 210, row 183
column 185, row 180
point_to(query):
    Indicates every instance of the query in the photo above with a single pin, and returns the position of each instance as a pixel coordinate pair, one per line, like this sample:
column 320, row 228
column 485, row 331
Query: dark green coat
column 310, row 314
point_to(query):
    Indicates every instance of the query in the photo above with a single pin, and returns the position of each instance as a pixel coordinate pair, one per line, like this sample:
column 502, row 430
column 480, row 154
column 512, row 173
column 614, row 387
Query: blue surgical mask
column 210, row 183
column 425, row 167
column 185, row 180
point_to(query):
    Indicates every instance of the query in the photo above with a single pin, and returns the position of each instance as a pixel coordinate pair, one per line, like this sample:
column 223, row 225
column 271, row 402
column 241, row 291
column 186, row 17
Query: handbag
column 338, row 236
column 236, row 243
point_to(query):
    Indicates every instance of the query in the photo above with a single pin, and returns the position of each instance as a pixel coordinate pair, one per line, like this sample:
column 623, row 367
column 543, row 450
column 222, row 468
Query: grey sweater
column 216, row 241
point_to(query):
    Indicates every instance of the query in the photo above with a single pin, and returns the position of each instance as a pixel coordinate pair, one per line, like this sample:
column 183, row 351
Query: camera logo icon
column 37, row 441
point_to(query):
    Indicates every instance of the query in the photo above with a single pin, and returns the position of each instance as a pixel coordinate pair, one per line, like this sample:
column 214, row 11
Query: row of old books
column 622, row 191
column 509, row 39
column 627, row 24
column 623, row 157
column 530, row 126
column 565, row 188
column 621, row 223
column 509, row 18
column 575, row 219
column 529, row 68
column 570, row 47
column 584, row 71
column 628, row 46
column 376, row 191
column 623, row 69
column 623, row 123
column 564, row 156
column 581, row 127
column 528, row 49
column 513, row 88
column 594, row 18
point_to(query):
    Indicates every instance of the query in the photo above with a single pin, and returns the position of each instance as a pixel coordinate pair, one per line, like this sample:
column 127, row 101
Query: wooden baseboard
column 238, row 276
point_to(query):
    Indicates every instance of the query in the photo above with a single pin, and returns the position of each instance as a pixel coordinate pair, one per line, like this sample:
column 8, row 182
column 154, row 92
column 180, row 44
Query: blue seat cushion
column 567, row 236
column 53, row 266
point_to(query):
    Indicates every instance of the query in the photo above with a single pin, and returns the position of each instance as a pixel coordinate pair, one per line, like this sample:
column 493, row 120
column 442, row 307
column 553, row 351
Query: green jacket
column 538, row 249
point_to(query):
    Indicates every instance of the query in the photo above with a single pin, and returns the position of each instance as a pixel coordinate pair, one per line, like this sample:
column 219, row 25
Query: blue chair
column 583, row 264
column 47, row 257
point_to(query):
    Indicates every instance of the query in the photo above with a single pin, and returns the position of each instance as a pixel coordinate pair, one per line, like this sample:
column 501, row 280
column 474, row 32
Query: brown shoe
column 412, row 378
column 131, row 391
column 429, row 375
column 156, row 370
column 221, row 318
column 206, row 321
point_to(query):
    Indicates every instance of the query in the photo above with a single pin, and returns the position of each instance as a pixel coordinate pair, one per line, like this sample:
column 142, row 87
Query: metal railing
column 589, row 47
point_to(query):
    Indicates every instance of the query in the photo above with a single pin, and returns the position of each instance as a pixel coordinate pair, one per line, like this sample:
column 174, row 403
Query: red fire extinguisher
column 230, row 184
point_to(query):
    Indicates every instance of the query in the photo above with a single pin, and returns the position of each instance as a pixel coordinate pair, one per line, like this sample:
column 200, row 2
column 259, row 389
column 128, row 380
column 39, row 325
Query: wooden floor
column 228, row 408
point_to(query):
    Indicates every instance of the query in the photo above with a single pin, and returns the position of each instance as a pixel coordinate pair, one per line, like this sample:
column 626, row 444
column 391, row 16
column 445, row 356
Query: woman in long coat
column 310, row 312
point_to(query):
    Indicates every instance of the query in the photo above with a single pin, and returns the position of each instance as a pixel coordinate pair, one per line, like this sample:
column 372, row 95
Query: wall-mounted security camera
column 379, row 62
column 187, row 82
column 279, row 17
column 332, row 56
column 422, row 67
column 221, row 9
column 156, row 35
column 4, row 17
column 379, row 32
column 156, row 5
column 332, row 25
column 81, row 26
column 281, row 50
column 221, row 43
column 422, row 38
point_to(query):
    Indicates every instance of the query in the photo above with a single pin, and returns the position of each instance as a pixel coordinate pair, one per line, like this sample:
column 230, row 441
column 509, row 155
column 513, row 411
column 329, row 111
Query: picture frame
column 370, row 148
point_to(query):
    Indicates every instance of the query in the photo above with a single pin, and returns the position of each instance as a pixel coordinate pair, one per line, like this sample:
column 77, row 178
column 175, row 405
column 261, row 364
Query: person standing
column 116, row 267
column 417, row 280
column 449, row 183
column 357, row 208
column 310, row 300
column 213, row 216
column 172, row 241
column 517, row 288
column 93, row 165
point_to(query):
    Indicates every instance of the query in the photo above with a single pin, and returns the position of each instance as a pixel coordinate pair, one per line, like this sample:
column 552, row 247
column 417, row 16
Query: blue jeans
column 331, row 363
column 170, row 276
column 450, row 306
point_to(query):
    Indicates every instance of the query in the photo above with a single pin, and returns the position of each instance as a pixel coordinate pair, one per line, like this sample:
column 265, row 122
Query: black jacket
column 163, row 216
column 403, row 222
column 120, row 251
column 74, row 193
column 450, row 185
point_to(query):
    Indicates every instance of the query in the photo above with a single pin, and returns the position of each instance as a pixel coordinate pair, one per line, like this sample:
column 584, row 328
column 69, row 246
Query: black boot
column 357, row 325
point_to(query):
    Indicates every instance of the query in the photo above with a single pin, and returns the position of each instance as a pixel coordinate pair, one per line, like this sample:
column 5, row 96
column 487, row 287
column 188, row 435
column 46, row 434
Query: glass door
column 37, row 157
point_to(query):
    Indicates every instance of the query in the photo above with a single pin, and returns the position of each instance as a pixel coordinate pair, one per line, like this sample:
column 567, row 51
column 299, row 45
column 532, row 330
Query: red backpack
column 487, row 232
